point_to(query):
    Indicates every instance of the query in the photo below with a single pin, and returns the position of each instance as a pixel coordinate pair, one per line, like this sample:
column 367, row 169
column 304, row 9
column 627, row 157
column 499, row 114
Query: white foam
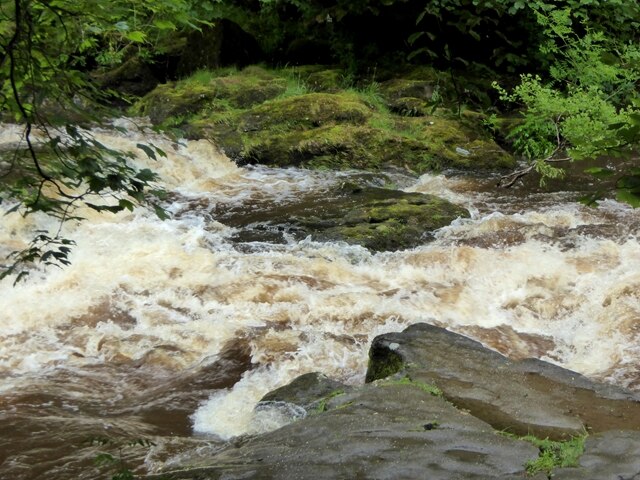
column 138, row 286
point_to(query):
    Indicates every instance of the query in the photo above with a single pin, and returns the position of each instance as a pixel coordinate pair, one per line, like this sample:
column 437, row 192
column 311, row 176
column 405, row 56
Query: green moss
column 212, row 91
column 383, row 363
column 425, row 387
column 330, row 81
column 553, row 454
column 322, row 403
column 267, row 116
column 395, row 223
column 304, row 112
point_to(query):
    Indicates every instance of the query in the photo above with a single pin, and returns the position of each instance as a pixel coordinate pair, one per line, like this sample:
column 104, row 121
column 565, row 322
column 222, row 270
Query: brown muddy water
column 172, row 331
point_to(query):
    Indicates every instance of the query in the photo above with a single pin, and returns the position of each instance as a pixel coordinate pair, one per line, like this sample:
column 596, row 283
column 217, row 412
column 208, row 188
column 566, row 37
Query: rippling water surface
column 172, row 331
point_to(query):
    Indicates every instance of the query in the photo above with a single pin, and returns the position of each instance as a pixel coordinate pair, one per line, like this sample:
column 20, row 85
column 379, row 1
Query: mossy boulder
column 329, row 80
column 281, row 118
column 379, row 219
column 303, row 112
column 387, row 220
column 325, row 131
column 220, row 91
column 408, row 96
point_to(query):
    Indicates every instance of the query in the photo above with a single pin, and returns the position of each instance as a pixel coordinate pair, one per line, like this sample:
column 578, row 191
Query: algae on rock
column 269, row 117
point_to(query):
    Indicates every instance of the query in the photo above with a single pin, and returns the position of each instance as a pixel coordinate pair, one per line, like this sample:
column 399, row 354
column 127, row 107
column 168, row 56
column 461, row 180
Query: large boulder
column 217, row 93
column 304, row 117
column 382, row 431
column 523, row 397
column 345, row 130
column 440, row 406
column 379, row 219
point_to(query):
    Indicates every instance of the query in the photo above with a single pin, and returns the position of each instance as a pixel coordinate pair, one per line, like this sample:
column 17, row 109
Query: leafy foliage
column 587, row 104
column 47, row 49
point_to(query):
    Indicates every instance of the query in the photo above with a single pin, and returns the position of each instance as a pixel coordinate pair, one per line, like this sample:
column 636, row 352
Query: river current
column 173, row 330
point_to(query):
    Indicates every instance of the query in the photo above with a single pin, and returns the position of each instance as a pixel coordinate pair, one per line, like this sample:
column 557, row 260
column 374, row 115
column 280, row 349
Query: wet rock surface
column 383, row 431
column 435, row 407
column 379, row 219
column 524, row 397
column 608, row 456
column 311, row 391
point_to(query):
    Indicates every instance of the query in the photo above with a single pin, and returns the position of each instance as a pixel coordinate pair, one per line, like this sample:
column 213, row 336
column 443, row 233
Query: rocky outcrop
column 524, row 397
column 306, row 117
column 430, row 410
column 379, row 219
column 173, row 103
column 392, row 431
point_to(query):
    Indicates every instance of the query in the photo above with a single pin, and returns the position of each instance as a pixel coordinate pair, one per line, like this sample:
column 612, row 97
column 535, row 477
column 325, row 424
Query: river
column 172, row 330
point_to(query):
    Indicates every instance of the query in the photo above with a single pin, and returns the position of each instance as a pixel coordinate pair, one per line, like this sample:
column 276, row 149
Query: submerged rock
column 377, row 218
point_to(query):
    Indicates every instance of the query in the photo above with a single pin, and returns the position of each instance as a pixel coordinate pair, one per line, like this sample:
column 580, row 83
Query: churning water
column 173, row 330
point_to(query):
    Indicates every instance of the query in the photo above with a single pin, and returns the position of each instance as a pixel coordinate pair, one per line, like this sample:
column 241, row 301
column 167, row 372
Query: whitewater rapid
column 155, row 301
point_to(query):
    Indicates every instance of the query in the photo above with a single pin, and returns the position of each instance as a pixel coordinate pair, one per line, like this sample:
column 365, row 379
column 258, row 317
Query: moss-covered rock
column 388, row 220
column 270, row 117
column 217, row 91
column 329, row 81
column 303, row 112
column 417, row 144
column 407, row 96
column 377, row 218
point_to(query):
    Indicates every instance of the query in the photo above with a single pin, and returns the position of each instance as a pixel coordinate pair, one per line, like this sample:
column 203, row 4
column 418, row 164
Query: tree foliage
column 578, row 60
column 586, row 106
column 48, row 48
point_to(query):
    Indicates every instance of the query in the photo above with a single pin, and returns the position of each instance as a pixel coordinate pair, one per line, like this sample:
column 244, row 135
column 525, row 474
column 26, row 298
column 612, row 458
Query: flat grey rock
column 613, row 455
column 432, row 409
column 382, row 432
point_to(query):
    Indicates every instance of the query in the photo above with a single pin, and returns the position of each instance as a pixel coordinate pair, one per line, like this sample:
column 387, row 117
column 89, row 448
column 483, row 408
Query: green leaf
column 628, row 197
column 592, row 199
column 629, row 182
column 122, row 203
column 414, row 36
column 601, row 172
column 146, row 175
column 148, row 150
column 161, row 213
column 136, row 36
column 164, row 25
